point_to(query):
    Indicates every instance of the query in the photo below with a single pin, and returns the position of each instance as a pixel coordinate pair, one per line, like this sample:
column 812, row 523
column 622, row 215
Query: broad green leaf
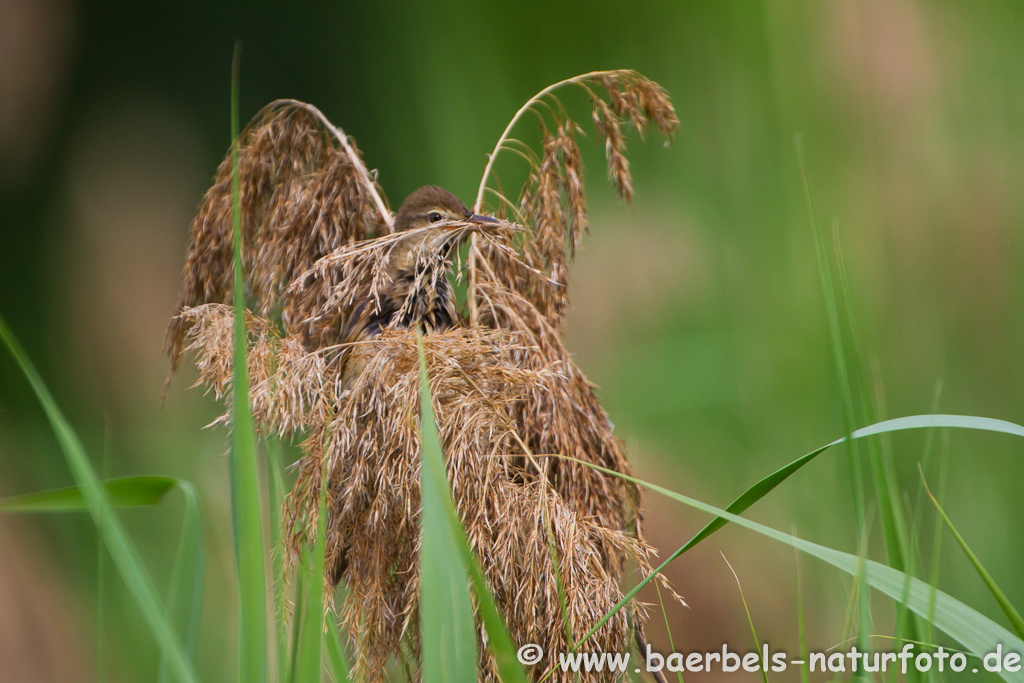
column 245, row 492
column 447, row 630
column 185, row 596
column 122, row 493
column 122, row 550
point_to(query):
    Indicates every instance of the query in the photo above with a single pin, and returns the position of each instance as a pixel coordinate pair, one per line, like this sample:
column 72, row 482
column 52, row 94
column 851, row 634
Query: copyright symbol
column 530, row 654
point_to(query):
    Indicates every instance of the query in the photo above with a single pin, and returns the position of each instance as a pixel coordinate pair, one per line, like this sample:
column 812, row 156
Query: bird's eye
column 434, row 216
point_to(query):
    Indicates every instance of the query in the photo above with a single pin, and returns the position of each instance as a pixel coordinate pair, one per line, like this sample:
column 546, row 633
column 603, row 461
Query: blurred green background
column 698, row 310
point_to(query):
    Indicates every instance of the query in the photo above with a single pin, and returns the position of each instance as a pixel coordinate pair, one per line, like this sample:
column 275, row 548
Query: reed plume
column 319, row 243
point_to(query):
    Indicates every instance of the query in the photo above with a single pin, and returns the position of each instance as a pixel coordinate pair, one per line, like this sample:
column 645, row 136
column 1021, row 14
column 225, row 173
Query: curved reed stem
column 478, row 204
column 515, row 119
column 353, row 156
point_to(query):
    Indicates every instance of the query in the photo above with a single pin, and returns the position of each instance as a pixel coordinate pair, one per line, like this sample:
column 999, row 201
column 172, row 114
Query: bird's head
column 432, row 205
column 437, row 219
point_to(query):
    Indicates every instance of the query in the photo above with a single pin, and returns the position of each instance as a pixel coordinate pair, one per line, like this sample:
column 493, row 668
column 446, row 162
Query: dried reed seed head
column 301, row 197
column 618, row 172
column 641, row 101
column 368, row 439
column 657, row 106
column 372, row 456
column 623, row 104
column 504, row 390
column 609, row 127
column 544, row 250
column 572, row 183
column 374, row 445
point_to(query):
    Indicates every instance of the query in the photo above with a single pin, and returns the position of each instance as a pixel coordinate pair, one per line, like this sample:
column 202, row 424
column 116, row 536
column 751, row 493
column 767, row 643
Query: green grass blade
column 447, row 630
column 498, row 639
column 276, row 492
column 851, row 613
column 883, row 470
column 766, row 485
column 1012, row 615
column 800, row 624
column 668, row 628
column 185, row 596
column 124, row 492
column 336, row 653
column 864, row 603
column 933, row 574
column 832, row 310
column 122, row 550
column 101, row 584
column 750, row 619
column 306, row 649
column 921, row 627
column 976, row 632
column 300, row 605
column 245, row 492
column 311, row 634
column 556, row 564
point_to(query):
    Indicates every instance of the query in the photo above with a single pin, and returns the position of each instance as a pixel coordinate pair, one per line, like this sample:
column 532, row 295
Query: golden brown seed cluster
column 506, row 393
column 302, row 197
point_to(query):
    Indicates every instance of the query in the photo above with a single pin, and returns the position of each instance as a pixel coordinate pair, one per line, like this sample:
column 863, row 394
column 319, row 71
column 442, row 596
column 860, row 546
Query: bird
column 417, row 294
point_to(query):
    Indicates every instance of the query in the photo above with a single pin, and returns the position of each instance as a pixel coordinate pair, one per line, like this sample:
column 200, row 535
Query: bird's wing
column 304, row 192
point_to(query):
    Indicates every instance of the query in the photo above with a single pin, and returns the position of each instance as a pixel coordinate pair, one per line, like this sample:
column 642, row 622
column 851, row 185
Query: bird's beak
column 482, row 221
column 472, row 223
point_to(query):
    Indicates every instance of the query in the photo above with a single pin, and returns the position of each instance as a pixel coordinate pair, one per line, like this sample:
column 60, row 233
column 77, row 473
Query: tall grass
column 245, row 502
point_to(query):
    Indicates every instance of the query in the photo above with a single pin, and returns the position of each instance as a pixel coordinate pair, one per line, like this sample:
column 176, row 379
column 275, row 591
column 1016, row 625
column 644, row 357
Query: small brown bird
column 418, row 293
